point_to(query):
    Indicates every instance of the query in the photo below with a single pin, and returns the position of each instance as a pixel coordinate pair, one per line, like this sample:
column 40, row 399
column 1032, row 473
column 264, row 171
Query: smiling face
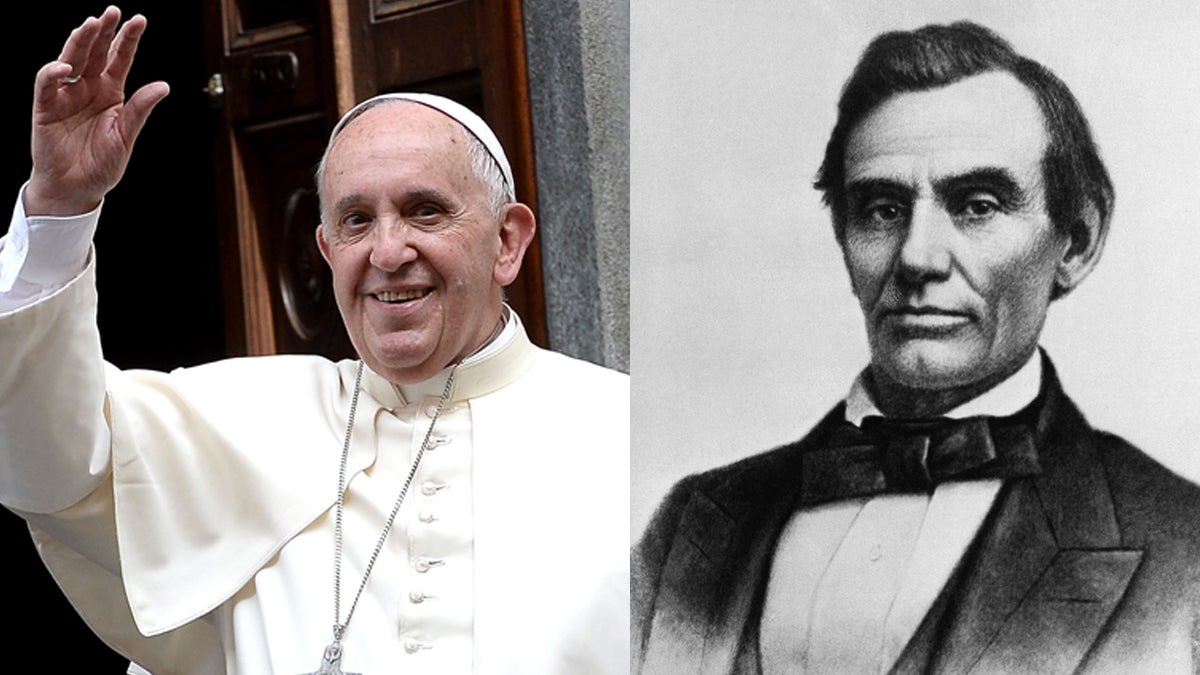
column 417, row 254
column 950, row 249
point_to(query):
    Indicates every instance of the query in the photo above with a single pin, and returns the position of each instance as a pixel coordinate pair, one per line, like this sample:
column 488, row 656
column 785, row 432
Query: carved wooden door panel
column 282, row 73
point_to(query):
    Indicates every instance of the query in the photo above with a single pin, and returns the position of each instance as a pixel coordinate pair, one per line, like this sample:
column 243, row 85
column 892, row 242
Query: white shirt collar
column 1006, row 398
column 496, row 364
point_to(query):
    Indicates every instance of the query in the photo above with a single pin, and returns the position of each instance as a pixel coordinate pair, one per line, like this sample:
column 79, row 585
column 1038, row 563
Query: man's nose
column 392, row 245
column 925, row 252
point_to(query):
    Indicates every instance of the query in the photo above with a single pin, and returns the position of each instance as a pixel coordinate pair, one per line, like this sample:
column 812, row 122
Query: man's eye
column 888, row 212
column 884, row 212
column 428, row 216
column 979, row 208
column 353, row 223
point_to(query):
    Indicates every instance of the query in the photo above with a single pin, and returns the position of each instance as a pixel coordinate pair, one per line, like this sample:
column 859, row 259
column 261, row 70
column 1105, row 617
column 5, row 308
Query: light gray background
column 744, row 331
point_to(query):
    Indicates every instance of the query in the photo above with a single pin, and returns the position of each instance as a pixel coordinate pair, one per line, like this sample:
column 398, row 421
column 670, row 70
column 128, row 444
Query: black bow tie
column 887, row 455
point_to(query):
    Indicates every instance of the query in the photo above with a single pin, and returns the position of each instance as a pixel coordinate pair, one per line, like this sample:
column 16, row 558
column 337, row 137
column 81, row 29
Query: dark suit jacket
column 1091, row 566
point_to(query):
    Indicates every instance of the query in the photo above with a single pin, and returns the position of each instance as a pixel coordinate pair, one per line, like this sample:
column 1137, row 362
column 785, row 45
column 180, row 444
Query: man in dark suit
column 956, row 513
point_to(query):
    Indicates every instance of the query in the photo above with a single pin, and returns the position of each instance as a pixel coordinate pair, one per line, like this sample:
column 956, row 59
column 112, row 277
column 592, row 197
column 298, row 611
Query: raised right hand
column 84, row 129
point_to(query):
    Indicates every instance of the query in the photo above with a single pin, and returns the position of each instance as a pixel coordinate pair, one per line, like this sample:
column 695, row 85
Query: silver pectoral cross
column 331, row 661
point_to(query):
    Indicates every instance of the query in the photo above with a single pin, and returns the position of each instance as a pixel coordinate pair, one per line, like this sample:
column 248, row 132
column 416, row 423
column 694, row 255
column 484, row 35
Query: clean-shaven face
column 412, row 242
column 950, row 250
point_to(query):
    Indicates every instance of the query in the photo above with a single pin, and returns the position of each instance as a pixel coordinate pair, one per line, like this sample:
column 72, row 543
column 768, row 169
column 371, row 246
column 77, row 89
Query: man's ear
column 322, row 242
column 517, row 228
column 1087, row 235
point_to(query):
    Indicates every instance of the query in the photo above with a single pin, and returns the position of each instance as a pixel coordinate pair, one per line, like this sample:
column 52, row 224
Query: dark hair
column 1073, row 174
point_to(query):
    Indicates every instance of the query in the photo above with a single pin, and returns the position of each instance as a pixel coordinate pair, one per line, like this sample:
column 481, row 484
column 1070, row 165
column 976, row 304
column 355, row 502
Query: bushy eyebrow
column 863, row 188
column 995, row 180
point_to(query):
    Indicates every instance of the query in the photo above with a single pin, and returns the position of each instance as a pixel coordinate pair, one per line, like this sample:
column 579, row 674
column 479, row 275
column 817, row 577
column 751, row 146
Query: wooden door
column 282, row 73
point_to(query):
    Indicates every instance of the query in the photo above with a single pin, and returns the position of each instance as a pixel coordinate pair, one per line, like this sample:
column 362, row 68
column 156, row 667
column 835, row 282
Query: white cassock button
column 426, row 517
column 414, row 646
column 416, row 597
column 423, row 564
column 430, row 488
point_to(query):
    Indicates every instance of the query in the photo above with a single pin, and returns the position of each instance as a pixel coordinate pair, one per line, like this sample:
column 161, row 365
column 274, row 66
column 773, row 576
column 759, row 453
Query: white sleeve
column 40, row 255
column 54, row 438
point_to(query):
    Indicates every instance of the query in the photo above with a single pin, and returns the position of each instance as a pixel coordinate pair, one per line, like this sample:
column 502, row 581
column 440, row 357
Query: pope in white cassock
column 454, row 502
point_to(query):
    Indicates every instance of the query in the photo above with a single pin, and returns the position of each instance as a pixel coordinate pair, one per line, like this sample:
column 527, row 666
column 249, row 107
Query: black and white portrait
column 914, row 337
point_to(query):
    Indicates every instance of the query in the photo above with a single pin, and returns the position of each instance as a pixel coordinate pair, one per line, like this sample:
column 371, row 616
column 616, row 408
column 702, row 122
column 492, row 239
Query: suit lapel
column 1045, row 576
column 710, row 583
column 715, row 572
column 1055, row 627
column 691, row 576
